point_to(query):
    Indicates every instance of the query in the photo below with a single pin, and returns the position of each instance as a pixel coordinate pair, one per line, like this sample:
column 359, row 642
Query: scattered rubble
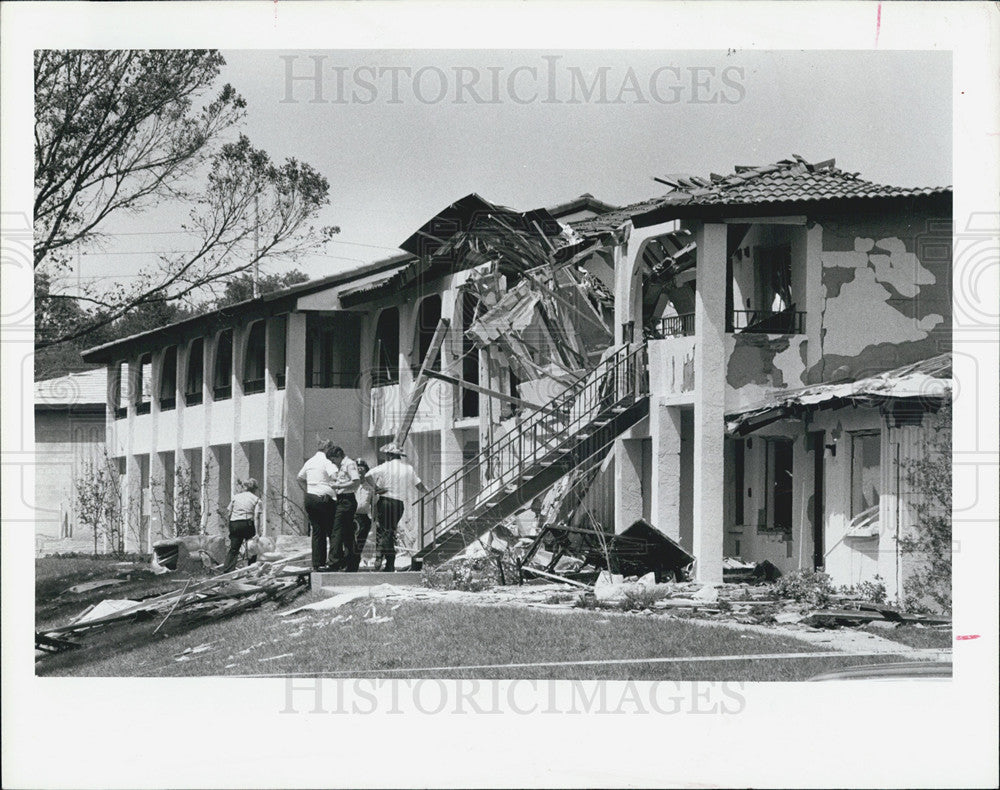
column 211, row 598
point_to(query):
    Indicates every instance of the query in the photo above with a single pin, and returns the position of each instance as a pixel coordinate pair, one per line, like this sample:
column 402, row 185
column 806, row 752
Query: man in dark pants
column 318, row 475
column 342, row 535
column 394, row 482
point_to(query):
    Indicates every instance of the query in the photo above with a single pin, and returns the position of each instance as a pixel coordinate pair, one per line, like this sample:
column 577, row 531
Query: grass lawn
column 913, row 636
column 440, row 634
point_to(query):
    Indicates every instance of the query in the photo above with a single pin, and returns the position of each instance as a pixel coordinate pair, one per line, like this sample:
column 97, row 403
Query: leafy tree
column 117, row 132
column 928, row 543
column 240, row 288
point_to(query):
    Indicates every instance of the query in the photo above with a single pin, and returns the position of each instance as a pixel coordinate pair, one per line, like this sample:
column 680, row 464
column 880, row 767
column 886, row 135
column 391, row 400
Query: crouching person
column 244, row 521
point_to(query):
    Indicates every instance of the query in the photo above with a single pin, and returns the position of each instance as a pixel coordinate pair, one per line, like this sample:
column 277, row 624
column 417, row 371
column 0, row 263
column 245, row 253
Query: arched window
column 253, row 360
column 385, row 362
column 168, row 379
column 195, row 379
column 428, row 315
column 222, row 382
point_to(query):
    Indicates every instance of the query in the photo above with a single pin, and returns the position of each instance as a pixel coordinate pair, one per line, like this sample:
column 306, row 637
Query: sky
column 400, row 134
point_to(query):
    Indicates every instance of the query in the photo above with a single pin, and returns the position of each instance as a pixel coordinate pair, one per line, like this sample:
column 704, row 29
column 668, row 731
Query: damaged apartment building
column 746, row 363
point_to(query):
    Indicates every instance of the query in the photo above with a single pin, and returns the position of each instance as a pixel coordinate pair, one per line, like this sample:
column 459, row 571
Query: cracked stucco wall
column 886, row 294
column 758, row 365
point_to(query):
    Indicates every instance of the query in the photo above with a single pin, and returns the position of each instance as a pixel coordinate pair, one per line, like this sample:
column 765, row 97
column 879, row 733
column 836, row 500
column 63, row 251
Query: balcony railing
column 192, row 398
column 771, row 322
column 121, row 412
column 253, row 386
column 279, row 380
column 143, row 408
column 223, row 392
column 677, row 325
column 166, row 404
column 383, row 377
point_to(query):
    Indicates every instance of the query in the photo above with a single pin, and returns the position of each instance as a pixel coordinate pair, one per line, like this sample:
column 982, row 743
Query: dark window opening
column 222, row 381
column 120, row 393
column 168, row 379
column 428, row 316
column 385, row 362
column 254, row 359
column 333, row 350
column 143, row 384
column 779, row 489
column 470, row 356
column 739, row 468
column 279, row 343
column 759, row 293
column 195, row 379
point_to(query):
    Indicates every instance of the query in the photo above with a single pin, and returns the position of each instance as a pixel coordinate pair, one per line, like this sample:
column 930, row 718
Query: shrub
column 873, row 591
column 929, row 539
column 637, row 599
column 810, row 587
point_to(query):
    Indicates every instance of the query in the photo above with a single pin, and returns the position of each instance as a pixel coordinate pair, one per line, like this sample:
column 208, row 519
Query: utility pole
column 256, row 247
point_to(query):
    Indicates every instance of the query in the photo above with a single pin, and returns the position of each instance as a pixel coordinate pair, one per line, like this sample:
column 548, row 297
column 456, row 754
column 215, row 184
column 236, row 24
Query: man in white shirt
column 393, row 480
column 319, row 475
column 345, row 486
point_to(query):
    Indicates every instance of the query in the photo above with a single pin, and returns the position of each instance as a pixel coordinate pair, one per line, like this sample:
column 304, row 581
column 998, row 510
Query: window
column 279, row 341
column 428, row 316
column 143, row 384
column 760, row 288
column 253, row 361
column 333, row 350
column 779, row 485
column 866, row 468
column 222, row 383
column 470, row 356
column 120, row 392
column 168, row 379
column 385, row 364
column 195, row 379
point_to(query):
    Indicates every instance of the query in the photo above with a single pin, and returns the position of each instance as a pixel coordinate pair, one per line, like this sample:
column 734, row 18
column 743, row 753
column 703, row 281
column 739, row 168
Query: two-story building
column 748, row 363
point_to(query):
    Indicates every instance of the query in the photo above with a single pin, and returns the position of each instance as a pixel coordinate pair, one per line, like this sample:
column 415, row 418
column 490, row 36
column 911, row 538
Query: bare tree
column 119, row 131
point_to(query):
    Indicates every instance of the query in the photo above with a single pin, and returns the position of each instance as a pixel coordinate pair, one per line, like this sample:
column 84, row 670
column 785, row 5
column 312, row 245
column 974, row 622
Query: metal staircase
column 577, row 423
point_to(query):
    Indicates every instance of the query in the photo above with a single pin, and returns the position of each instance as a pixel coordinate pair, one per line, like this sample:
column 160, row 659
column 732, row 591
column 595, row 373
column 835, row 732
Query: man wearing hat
column 393, row 481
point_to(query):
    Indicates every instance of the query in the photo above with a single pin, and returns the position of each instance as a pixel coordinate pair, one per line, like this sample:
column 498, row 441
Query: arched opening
column 222, row 381
column 195, row 379
column 168, row 379
column 385, row 354
column 143, row 385
column 470, row 355
column 428, row 315
column 254, row 359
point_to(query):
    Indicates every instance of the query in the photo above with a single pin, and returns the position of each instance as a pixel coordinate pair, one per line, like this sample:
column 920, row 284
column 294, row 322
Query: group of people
column 343, row 498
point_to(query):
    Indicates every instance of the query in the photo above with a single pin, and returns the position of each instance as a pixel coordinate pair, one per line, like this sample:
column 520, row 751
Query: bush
column 873, row 591
column 637, row 599
column 810, row 587
column 929, row 540
column 472, row 574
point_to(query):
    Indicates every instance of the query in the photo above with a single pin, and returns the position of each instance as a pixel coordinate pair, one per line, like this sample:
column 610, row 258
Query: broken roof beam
column 420, row 384
column 519, row 402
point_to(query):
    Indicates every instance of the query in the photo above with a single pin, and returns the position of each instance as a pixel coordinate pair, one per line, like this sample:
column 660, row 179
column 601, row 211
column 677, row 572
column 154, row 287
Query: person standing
column 393, row 482
column 318, row 475
column 367, row 498
column 342, row 536
column 244, row 521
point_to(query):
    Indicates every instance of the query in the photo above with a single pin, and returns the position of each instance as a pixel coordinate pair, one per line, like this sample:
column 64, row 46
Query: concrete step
column 364, row 579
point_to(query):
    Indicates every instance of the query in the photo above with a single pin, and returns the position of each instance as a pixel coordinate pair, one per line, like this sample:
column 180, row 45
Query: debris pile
column 212, row 598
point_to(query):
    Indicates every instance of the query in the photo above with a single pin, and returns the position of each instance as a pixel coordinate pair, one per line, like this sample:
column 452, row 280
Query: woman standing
column 244, row 521
column 366, row 497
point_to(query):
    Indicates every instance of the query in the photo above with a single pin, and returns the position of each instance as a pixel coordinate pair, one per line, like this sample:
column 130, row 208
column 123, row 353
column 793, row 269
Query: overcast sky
column 401, row 134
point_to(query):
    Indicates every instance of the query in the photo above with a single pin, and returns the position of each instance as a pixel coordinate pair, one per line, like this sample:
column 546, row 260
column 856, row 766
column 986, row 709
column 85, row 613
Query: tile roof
column 87, row 388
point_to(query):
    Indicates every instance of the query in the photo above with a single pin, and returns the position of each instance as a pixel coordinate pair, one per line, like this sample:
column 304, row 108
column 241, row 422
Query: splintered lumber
column 563, row 579
column 421, row 382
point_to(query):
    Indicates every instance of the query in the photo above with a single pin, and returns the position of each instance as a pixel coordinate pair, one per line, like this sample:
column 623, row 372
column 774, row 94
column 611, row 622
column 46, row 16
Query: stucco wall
column 671, row 365
column 757, row 365
column 886, row 293
column 335, row 414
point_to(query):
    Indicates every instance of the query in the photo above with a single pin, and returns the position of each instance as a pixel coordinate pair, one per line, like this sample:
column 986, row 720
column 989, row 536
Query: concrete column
column 709, row 409
column 180, row 457
column 204, row 474
column 665, row 430
column 241, row 462
column 132, row 490
column 368, row 323
column 295, row 417
column 628, row 483
column 158, row 517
